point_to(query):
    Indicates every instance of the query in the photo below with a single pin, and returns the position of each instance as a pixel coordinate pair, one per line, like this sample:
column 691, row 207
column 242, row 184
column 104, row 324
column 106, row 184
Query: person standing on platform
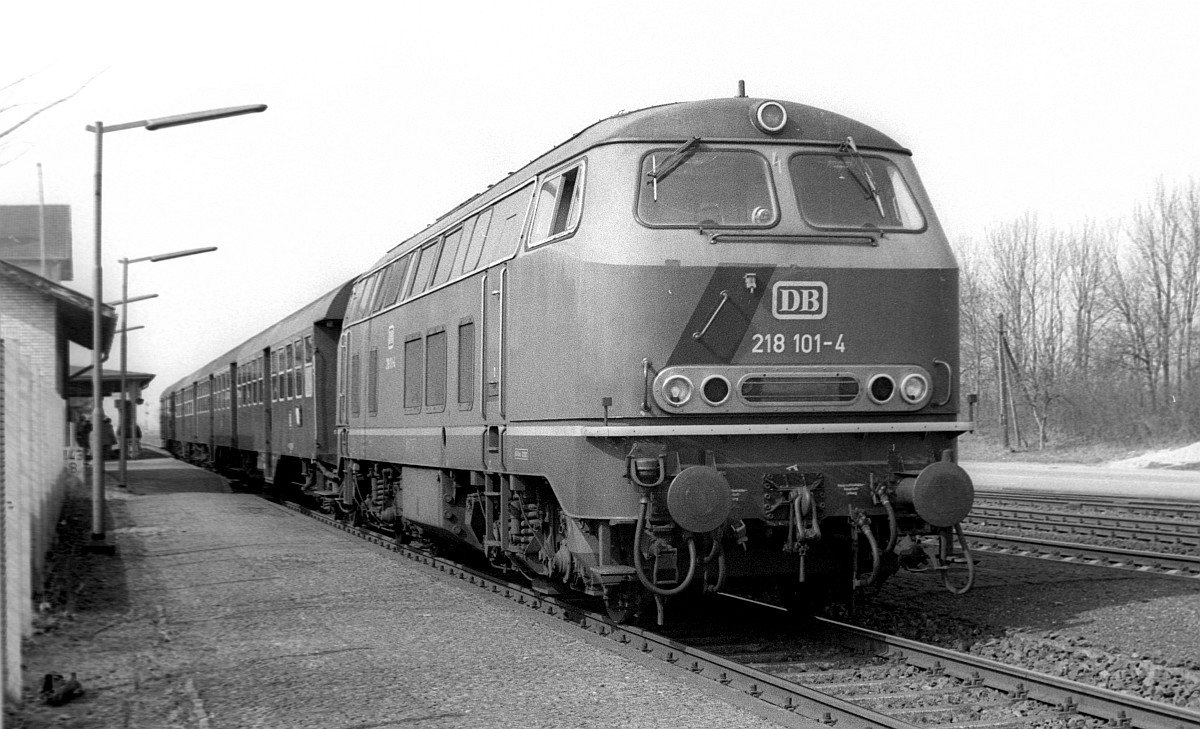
column 83, row 437
column 108, row 439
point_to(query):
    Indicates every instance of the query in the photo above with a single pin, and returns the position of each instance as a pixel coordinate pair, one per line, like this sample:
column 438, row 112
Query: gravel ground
column 222, row 610
column 1120, row 630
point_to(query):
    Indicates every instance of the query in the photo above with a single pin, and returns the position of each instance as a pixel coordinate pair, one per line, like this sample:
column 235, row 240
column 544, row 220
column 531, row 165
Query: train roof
column 724, row 120
column 331, row 306
column 732, row 119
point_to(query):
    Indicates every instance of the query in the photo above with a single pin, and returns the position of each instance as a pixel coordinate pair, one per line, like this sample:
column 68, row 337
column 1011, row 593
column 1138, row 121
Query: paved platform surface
column 1144, row 483
column 241, row 613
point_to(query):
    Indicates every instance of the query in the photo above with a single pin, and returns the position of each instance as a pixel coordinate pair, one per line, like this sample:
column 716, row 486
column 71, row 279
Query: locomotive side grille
column 806, row 389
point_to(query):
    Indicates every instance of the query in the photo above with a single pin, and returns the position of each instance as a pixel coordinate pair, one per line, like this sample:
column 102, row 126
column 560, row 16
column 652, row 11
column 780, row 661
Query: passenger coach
column 265, row 405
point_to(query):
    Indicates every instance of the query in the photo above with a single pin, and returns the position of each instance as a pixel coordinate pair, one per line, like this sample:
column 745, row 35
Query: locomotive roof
column 731, row 118
column 724, row 119
column 331, row 306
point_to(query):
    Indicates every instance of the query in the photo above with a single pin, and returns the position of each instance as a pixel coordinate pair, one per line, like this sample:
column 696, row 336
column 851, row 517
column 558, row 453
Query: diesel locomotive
column 702, row 346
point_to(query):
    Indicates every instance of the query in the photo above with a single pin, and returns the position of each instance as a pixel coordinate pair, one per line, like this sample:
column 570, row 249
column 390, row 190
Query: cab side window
column 559, row 202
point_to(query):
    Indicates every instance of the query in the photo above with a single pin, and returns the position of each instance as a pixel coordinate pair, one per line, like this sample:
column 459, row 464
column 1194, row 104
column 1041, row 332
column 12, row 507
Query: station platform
column 1138, row 483
column 220, row 609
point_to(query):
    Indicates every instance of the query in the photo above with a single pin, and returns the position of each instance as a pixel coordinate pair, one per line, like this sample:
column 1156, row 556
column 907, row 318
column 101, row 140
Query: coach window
column 310, row 388
column 507, row 223
column 425, row 263
column 466, row 364
column 413, row 376
column 379, row 296
column 435, row 370
column 395, row 279
column 370, row 293
column 479, row 235
column 558, row 205
column 695, row 186
column 446, row 260
column 279, row 391
column 362, row 299
column 289, row 371
column 298, row 372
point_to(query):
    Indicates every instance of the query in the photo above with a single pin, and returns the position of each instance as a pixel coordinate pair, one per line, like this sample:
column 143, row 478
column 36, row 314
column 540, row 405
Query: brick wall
column 32, row 482
column 30, row 317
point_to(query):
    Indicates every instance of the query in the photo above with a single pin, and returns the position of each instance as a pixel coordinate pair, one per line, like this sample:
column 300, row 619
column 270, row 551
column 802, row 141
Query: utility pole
column 1003, row 360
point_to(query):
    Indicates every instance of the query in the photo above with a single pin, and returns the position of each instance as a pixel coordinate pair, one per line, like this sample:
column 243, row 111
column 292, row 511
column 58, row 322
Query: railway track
column 829, row 672
column 1172, row 508
column 1144, row 535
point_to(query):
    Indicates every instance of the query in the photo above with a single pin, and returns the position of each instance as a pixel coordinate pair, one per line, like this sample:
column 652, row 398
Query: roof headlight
column 771, row 117
column 677, row 390
column 914, row 388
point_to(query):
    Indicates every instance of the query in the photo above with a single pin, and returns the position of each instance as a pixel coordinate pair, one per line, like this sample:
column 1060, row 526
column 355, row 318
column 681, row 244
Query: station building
column 40, row 319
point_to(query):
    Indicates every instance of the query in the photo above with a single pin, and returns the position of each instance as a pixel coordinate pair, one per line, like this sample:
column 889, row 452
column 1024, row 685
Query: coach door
column 493, row 375
column 269, row 394
column 234, row 403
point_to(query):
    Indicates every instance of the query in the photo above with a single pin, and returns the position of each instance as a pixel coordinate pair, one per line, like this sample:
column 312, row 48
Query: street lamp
column 128, row 430
column 98, row 287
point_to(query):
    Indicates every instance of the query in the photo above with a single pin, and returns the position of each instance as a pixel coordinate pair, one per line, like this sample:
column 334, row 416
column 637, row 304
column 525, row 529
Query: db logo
column 799, row 299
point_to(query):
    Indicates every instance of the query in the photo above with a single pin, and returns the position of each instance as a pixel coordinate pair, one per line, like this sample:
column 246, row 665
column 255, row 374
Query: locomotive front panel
column 762, row 356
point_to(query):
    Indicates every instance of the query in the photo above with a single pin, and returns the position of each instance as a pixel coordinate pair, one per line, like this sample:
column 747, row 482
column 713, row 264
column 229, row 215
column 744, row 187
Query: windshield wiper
column 671, row 163
column 869, row 187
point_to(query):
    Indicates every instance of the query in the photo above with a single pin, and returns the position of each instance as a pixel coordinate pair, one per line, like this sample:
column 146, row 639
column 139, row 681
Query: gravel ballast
column 1125, row 631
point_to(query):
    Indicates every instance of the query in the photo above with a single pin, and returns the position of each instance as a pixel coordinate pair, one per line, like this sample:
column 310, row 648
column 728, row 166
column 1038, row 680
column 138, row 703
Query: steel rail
column 1134, row 529
column 803, row 705
column 1171, row 565
column 1070, row 696
column 1175, row 507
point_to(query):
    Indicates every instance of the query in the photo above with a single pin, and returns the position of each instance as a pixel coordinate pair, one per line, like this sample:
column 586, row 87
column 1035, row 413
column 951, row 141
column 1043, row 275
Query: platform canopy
column 80, row 382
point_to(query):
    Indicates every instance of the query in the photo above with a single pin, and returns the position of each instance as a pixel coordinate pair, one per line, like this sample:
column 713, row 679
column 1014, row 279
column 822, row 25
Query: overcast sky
column 381, row 120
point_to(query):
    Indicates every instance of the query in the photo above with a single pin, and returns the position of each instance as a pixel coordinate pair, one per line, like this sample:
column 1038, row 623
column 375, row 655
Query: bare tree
column 1101, row 321
column 1086, row 273
column 16, row 114
column 1028, row 268
column 1159, row 291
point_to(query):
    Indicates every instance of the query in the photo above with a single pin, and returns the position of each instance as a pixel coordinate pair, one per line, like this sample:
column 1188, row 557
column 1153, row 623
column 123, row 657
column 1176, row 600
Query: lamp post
column 128, row 429
column 98, row 537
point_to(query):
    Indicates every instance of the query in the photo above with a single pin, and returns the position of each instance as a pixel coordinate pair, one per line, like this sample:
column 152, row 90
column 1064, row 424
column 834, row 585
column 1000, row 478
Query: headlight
column 677, row 390
column 914, row 388
column 771, row 117
column 881, row 388
column 715, row 390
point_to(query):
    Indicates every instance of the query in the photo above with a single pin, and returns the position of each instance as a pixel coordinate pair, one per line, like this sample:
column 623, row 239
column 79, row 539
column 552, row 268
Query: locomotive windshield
column 706, row 188
column 849, row 190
